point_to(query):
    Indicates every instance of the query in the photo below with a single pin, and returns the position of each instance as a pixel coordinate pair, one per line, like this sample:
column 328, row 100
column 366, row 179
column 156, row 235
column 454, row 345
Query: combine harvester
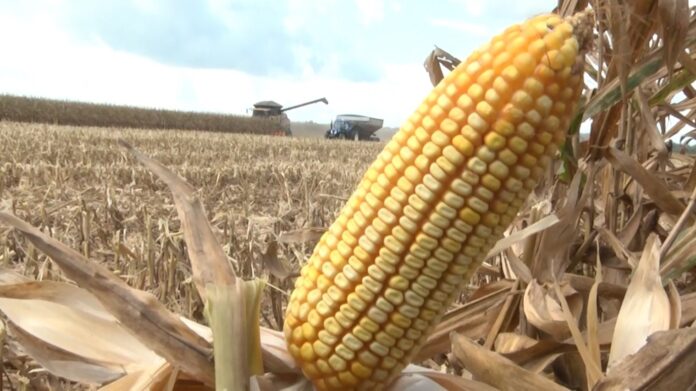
column 275, row 113
column 354, row 127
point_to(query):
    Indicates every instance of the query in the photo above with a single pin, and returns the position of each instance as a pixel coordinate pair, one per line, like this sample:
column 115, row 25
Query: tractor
column 354, row 127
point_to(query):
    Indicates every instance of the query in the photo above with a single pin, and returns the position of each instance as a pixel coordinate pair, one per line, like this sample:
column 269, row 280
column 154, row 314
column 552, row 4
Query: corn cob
column 436, row 199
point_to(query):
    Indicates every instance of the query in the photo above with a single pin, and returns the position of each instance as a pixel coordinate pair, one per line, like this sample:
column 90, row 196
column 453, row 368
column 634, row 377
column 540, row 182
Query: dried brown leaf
column 621, row 40
column 507, row 312
column 509, row 344
column 159, row 377
column 631, row 228
column 65, row 363
column 496, row 370
column 212, row 270
column 276, row 358
column 540, row 355
column 56, row 292
column 677, row 253
column 543, row 309
column 8, row 276
column 474, row 319
column 592, row 368
column 415, row 378
column 593, row 318
column 518, row 268
column 552, row 254
column 84, row 342
column 273, row 264
column 664, row 363
column 653, row 186
column 650, row 125
column 570, row 7
column 209, row 263
column 674, row 15
column 301, row 235
column 534, row 228
column 527, row 250
column 547, row 347
column 688, row 63
column 82, row 326
column 138, row 311
column 675, row 307
column 688, row 309
column 619, row 249
column 645, row 308
column 584, row 284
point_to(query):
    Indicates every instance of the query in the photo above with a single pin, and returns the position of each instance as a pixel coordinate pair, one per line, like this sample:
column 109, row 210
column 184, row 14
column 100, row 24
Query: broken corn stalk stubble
column 433, row 203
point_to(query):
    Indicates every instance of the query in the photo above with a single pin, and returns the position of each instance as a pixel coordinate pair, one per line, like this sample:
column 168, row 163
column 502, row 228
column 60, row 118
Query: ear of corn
column 436, row 199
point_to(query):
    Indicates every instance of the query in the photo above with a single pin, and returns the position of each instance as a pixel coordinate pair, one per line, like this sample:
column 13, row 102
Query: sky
column 365, row 56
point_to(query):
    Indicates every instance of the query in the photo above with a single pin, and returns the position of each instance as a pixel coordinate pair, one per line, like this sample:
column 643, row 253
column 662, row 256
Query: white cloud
column 224, row 12
column 149, row 6
column 303, row 56
column 395, row 6
column 475, row 8
column 371, row 11
column 301, row 13
column 296, row 16
column 478, row 29
column 492, row 9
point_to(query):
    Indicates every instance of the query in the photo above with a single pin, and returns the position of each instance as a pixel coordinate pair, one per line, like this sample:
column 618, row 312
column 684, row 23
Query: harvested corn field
column 83, row 187
column 80, row 186
column 486, row 246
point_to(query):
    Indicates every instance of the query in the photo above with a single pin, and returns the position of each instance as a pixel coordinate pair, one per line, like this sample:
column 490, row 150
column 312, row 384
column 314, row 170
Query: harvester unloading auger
column 275, row 112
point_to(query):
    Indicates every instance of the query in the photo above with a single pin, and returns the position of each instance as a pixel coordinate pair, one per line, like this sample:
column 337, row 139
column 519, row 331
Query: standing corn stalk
column 432, row 204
